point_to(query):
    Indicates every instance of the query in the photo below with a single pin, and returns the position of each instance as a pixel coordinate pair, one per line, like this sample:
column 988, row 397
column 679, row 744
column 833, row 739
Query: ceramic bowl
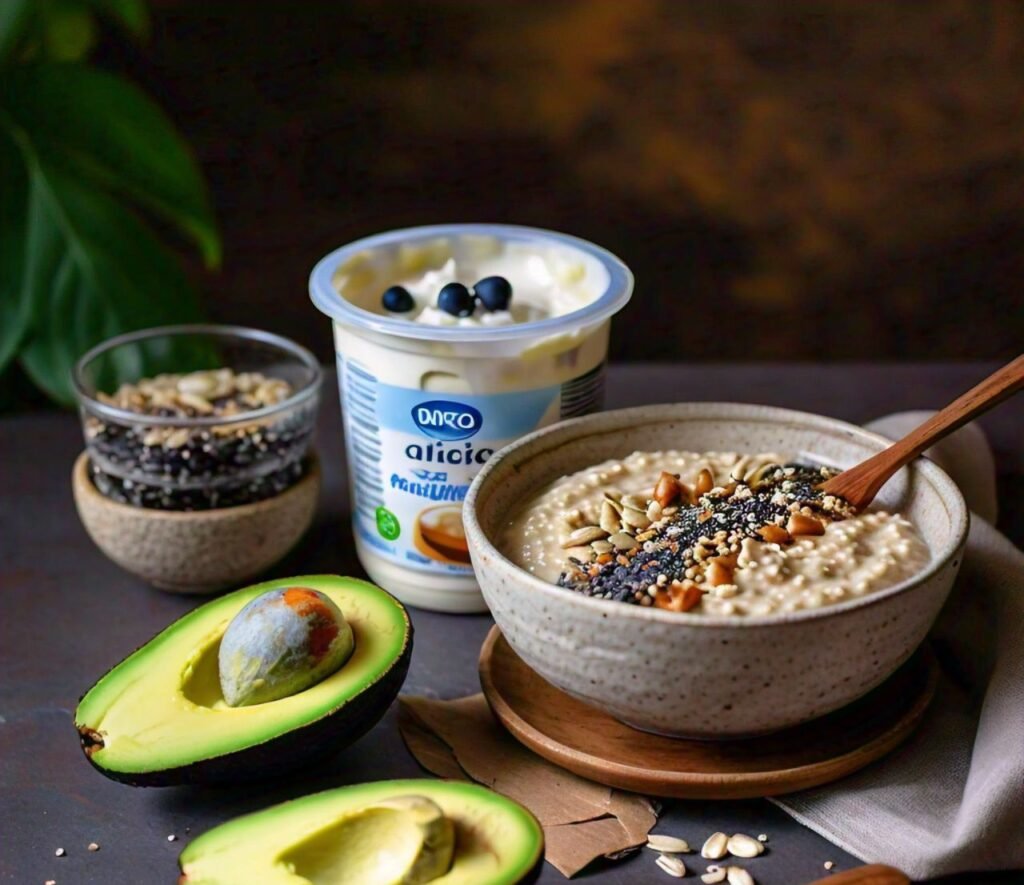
column 699, row 675
column 200, row 551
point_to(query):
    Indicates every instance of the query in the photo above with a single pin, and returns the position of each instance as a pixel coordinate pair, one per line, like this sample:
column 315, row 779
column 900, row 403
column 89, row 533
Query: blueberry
column 494, row 293
column 397, row 299
column 456, row 300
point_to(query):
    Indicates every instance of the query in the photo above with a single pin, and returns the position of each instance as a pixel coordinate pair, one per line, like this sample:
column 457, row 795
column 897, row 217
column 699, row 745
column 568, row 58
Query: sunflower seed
column 609, row 517
column 715, row 846
column 742, row 845
column 602, row 546
column 738, row 876
column 197, row 383
column 584, row 536
column 623, row 541
column 636, row 519
column 672, row 865
column 637, row 502
column 194, row 401
column 667, row 844
column 612, row 499
column 714, row 875
column 654, row 511
column 177, row 439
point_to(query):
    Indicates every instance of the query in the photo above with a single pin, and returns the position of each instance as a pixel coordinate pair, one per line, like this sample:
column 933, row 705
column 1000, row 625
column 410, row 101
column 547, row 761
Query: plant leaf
column 93, row 269
column 108, row 132
column 14, row 18
column 15, row 305
column 131, row 15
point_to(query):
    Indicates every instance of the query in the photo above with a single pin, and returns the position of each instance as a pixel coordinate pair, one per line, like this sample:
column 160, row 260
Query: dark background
column 797, row 179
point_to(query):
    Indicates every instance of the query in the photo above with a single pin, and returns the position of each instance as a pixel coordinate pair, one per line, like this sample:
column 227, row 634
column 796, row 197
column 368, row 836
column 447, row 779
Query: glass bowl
column 197, row 417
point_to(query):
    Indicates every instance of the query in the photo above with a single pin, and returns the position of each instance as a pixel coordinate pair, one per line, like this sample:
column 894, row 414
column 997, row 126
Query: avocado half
column 353, row 836
column 158, row 718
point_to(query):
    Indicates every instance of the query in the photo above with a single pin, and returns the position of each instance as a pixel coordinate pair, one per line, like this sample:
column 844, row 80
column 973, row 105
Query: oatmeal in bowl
column 678, row 567
column 715, row 532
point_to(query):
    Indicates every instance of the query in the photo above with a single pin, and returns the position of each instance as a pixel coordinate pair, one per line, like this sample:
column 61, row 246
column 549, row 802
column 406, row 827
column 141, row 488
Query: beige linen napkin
column 952, row 798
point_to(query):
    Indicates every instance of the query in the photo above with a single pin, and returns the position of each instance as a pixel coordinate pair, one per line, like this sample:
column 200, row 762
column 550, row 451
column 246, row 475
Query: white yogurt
column 427, row 399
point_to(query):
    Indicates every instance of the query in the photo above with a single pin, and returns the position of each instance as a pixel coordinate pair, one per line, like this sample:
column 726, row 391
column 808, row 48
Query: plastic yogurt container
column 427, row 397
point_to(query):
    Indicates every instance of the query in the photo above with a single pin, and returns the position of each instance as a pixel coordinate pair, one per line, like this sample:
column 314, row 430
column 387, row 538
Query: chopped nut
column 705, row 482
column 681, row 596
column 804, row 525
column 775, row 534
column 668, row 489
column 719, row 573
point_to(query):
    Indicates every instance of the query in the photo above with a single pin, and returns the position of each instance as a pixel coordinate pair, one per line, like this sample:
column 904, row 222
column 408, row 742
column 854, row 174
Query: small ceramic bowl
column 201, row 551
column 698, row 675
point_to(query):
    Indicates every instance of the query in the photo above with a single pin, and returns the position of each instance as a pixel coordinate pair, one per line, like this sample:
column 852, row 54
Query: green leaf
column 93, row 270
column 15, row 305
column 107, row 132
column 14, row 19
column 131, row 15
column 69, row 31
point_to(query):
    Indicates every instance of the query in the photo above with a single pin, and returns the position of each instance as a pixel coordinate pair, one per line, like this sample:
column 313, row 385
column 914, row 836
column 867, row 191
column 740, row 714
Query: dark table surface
column 68, row 614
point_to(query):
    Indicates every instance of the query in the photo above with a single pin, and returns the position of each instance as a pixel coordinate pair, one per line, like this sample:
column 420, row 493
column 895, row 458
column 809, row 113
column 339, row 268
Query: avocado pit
column 281, row 643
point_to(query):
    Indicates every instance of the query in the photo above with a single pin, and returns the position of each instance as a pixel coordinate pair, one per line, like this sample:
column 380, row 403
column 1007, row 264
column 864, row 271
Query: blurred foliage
column 88, row 164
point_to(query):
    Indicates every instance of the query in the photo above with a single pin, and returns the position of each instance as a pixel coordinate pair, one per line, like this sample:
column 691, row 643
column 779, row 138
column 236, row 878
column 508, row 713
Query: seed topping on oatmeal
column 670, row 549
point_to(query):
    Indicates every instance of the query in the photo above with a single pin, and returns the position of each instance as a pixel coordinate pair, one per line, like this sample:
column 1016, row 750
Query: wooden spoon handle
column 872, row 874
column 860, row 484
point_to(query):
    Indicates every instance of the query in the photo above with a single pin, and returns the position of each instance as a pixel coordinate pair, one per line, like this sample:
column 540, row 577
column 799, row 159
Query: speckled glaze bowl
column 699, row 675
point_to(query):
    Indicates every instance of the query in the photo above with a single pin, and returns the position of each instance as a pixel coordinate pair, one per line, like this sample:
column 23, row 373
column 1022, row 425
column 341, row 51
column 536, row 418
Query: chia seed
column 684, row 540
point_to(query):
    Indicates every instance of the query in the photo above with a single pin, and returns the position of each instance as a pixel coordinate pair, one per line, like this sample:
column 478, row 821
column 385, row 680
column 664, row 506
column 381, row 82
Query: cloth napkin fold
column 951, row 799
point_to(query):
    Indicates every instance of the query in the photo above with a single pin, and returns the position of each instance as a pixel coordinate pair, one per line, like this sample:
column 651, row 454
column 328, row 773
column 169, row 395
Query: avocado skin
column 282, row 755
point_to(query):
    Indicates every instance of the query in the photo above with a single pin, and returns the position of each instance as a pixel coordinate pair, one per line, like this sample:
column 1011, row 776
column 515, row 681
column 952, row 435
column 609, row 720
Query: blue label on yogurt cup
column 412, row 456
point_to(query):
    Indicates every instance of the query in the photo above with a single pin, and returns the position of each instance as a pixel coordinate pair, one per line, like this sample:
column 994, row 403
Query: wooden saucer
column 592, row 744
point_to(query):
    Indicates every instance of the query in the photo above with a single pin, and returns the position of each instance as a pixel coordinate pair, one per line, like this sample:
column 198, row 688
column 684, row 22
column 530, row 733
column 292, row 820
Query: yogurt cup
column 426, row 400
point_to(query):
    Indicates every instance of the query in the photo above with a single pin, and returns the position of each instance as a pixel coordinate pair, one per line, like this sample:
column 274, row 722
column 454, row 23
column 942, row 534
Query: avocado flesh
column 402, row 841
column 363, row 834
column 162, row 710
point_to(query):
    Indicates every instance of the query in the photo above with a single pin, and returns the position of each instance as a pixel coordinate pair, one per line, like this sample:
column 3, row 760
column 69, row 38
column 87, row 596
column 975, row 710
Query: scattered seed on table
column 829, row 864
column 667, row 844
column 672, row 865
column 738, row 876
column 60, row 852
column 715, row 846
column 50, row 882
column 172, row 838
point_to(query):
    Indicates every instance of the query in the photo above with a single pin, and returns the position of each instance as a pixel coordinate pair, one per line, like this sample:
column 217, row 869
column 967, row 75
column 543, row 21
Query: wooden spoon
column 860, row 484
column 872, row 874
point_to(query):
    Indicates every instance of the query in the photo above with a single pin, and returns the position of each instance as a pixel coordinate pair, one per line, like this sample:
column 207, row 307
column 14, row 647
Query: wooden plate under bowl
column 592, row 744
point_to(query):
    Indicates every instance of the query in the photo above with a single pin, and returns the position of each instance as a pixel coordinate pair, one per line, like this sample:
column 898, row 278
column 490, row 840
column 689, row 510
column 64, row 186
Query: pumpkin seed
column 623, row 541
column 668, row 844
column 740, row 844
column 672, row 865
column 584, row 535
